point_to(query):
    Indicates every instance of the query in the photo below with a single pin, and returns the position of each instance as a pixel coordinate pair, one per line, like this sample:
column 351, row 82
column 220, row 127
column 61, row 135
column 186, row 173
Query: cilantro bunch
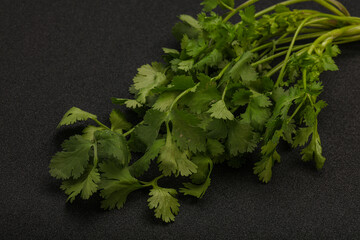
column 229, row 89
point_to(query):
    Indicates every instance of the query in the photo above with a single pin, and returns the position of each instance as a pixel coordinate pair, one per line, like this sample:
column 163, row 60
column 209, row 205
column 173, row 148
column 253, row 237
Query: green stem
column 341, row 7
column 274, row 69
column 286, row 40
column 221, row 73
column 224, row 92
column 96, row 158
column 279, row 66
column 236, row 10
column 279, row 54
column 226, row 6
column 304, row 75
column 100, row 124
column 181, row 95
column 296, row 110
column 330, row 7
column 131, row 130
column 272, row 8
column 282, row 71
column 152, row 183
column 311, row 101
column 344, row 31
column 347, row 39
column 291, row 2
column 300, row 46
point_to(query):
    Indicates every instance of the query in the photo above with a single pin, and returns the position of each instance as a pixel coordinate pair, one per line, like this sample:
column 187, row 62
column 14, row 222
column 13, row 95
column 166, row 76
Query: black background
column 59, row 54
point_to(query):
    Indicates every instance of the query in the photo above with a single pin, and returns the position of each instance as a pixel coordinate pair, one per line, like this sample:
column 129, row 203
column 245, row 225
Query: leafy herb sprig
column 213, row 100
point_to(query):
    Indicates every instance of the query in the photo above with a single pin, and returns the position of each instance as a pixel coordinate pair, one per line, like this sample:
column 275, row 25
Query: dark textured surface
column 56, row 54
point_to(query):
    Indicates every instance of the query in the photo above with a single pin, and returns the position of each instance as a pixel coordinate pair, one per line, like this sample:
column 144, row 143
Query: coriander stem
column 347, row 40
column 304, row 78
column 99, row 123
column 286, row 40
column 236, row 10
column 224, row 92
column 96, row 159
column 181, row 95
column 221, row 73
column 226, row 6
column 311, row 101
column 152, row 183
column 348, row 30
column 131, row 130
column 282, row 71
column 341, row 7
column 278, row 67
column 290, row 2
column 296, row 110
column 330, row 7
column 272, row 8
column 278, row 55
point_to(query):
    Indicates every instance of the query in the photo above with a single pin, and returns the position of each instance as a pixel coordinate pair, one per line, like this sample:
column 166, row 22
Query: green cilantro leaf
column 241, row 138
column 86, row 185
column 217, row 129
column 209, row 5
column 164, row 203
column 180, row 83
column 75, row 114
column 142, row 164
column 148, row 78
column 211, row 60
column 195, row 47
column 186, row 65
column 173, row 161
column 149, row 130
column 219, row 110
column 72, row 161
column 206, row 93
column 264, row 167
column 288, row 131
column 248, row 15
column 118, row 121
column 170, row 51
column 117, row 183
column 309, row 116
column 242, row 69
column 204, row 165
column 89, row 131
column 191, row 21
column 302, row 136
column 255, row 115
column 201, row 178
column 129, row 103
column 214, row 147
column 186, row 132
column 163, row 103
column 111, row 145
column 196, row 190
column 241, row 97
column 314, row 152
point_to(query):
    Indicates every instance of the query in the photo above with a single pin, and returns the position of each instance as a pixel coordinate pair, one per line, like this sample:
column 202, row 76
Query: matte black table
column 58, row 54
